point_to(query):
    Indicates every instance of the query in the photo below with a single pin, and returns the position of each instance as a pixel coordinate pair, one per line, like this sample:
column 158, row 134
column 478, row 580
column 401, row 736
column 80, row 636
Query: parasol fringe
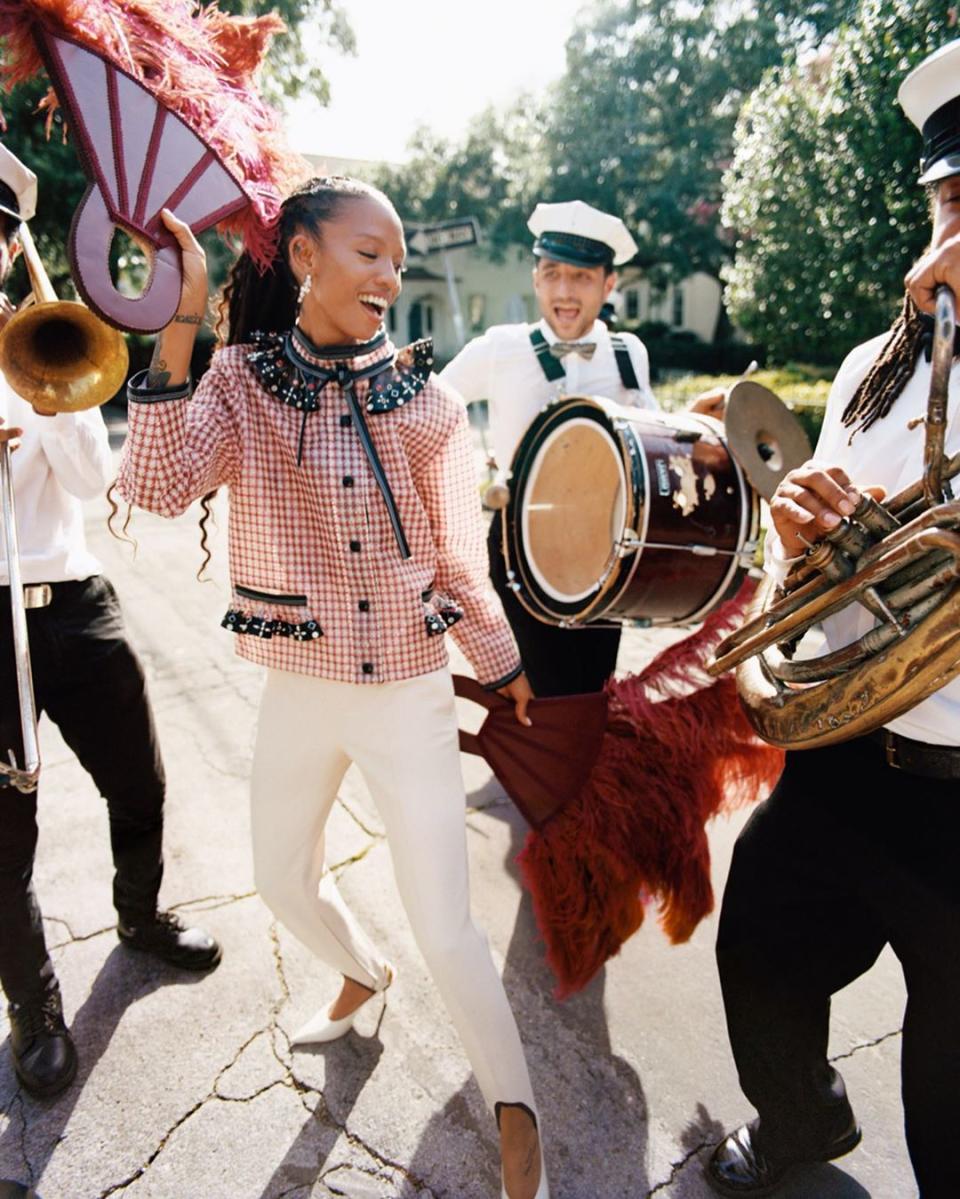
column 678, row 750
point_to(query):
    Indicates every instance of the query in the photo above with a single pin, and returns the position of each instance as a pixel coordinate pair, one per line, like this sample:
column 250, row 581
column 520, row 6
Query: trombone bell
column 56, row 354
column 61, row 358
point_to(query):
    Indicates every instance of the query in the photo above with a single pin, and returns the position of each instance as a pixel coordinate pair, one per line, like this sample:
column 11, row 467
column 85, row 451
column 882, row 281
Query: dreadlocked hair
column 891, row 372
column 267, row 300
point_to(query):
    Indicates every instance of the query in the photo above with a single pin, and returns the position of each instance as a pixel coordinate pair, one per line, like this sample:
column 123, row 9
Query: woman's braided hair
column 267, row 300
column 890, row 373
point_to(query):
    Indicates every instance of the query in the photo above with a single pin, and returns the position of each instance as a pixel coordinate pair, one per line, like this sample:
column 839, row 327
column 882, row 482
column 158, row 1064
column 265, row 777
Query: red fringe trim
column 200, row 65
column 678, row 750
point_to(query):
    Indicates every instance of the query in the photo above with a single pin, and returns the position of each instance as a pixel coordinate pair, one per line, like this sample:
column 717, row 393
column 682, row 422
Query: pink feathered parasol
column 162, row 100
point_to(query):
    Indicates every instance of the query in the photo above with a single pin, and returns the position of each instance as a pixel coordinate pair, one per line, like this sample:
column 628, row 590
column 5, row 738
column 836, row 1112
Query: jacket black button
column 364, row 605
column 348, row 480
column 345, row 421
column 367, row 668
column 355, row 547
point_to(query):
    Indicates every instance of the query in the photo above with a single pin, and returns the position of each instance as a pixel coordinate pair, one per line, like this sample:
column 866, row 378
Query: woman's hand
column 11, row 435
column 519, row 691
column 812, row 500
column 194, row 293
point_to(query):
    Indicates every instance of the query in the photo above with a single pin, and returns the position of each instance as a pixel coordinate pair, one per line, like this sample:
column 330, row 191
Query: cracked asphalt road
column 188, row 1088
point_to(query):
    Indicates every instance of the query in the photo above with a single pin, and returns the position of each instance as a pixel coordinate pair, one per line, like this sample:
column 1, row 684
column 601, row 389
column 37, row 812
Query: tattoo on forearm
column 186, row 318
column 157, row 374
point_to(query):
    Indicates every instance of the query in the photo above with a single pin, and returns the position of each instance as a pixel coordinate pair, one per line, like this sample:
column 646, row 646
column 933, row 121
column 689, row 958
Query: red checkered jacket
column 320, row 583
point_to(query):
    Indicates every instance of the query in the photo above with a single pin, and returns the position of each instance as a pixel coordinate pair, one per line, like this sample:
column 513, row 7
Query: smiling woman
column 356, row 541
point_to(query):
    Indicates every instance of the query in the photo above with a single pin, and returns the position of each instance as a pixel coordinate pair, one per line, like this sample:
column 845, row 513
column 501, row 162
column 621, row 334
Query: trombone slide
column 24, row 778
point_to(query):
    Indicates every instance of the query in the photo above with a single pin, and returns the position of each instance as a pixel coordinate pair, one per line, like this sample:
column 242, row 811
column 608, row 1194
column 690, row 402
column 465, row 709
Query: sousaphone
column 900, row 560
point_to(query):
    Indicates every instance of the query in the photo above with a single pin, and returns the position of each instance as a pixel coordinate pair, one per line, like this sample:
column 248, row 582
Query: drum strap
column 628, row 376
column 551, row 367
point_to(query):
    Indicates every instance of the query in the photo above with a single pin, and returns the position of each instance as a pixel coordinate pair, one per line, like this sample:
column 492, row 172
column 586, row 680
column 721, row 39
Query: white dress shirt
column 889, row 454
column 62, row 460
column 502, row 368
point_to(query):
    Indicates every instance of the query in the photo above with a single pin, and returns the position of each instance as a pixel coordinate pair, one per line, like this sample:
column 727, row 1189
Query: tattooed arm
column 170, row 364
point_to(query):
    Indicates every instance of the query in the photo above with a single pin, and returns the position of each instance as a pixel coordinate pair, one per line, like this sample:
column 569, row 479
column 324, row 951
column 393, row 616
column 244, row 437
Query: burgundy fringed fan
column 633, row 798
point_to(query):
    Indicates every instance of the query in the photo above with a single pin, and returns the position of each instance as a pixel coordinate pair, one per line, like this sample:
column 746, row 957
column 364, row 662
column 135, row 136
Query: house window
column 632, row 298
column 678, row 312
column 477, row 313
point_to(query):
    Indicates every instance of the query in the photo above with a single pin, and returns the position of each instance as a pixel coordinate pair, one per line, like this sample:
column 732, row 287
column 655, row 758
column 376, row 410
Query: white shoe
column 543, row 1190
column 320, row 1029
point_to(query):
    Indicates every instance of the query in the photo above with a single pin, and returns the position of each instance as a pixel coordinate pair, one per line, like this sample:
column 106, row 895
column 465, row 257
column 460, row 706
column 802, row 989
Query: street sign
column 445, row 235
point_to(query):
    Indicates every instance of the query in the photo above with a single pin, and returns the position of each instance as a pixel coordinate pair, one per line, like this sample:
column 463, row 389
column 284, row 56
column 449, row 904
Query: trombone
column 59, row 357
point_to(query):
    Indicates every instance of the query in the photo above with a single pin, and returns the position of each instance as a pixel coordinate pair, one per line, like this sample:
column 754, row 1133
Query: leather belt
column 919, row 757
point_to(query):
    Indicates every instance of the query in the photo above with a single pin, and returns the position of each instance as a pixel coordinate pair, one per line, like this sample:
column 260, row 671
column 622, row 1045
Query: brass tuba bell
column 56, row 354
column 899, row 559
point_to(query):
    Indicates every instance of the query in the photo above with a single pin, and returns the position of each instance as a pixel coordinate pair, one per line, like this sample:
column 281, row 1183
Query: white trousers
column 403, row 737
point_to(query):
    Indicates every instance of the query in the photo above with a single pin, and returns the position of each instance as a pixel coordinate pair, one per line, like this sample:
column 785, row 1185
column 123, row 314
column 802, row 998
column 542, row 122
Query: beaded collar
column 280, row 363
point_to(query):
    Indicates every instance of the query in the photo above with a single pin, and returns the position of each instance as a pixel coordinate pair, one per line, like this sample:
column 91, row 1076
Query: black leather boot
column 743, row 1165
column 165, row 936
column 44, row 1055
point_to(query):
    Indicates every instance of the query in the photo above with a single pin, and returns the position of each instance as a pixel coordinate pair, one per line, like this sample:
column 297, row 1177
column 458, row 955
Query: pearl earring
column 304, row 289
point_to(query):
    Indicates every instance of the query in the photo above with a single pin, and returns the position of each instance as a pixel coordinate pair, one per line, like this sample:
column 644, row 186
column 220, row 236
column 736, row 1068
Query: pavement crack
column 71, row 935
column 500, row 802
column 887, row 1036
column 78, row 938
column 211, row 902
column 352, row 860
column 17, row 1105
column 208, row 903
column 357, row 821
column 677, row 1167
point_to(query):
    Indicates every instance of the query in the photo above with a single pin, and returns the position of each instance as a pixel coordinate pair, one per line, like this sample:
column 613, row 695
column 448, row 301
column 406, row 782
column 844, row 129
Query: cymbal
column 763, row 435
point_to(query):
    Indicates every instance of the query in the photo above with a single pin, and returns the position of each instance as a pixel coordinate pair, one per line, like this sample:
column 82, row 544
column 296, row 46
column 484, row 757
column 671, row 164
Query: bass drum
column 624, row 514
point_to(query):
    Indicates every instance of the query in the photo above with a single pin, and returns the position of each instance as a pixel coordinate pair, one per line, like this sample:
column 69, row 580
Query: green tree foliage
column 291, row 68
column 495, row 173
column 640, row 124
column 642, row 121
column 823, row 190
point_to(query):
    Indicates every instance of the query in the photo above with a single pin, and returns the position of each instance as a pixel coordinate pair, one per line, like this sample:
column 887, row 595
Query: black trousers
column 89, row 682
column 848, row 855
column 557, row 661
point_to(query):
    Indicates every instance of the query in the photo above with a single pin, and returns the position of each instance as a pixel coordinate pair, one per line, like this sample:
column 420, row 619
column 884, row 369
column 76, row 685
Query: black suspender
column 628, row 376
column 551, row 367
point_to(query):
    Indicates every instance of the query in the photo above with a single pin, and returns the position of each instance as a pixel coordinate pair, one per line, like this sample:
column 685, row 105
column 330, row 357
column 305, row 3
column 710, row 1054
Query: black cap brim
column 572, row 249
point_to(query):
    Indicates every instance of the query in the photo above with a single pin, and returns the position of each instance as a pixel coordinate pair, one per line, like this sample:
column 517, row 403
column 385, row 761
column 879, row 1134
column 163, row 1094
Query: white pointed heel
column 320, row 1029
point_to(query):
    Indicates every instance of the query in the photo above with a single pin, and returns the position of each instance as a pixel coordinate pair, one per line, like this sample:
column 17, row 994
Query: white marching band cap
column 930, row 96
column 22, row 182
column 580, row 234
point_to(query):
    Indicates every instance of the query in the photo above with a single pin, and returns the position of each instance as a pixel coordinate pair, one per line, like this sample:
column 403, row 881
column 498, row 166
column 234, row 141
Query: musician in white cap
column 857, row 847
column 88, row 680
column 518, row 369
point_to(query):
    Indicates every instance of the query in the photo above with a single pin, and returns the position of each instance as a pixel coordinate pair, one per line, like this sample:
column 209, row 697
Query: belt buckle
column 37, row 595
column 890, row 750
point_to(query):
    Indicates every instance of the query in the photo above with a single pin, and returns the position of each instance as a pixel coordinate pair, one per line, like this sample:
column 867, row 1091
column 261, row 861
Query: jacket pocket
column 266, row 614
column 439, row 612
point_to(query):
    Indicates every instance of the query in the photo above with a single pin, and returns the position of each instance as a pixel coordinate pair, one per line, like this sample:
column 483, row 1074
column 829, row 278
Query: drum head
column 573, row 509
